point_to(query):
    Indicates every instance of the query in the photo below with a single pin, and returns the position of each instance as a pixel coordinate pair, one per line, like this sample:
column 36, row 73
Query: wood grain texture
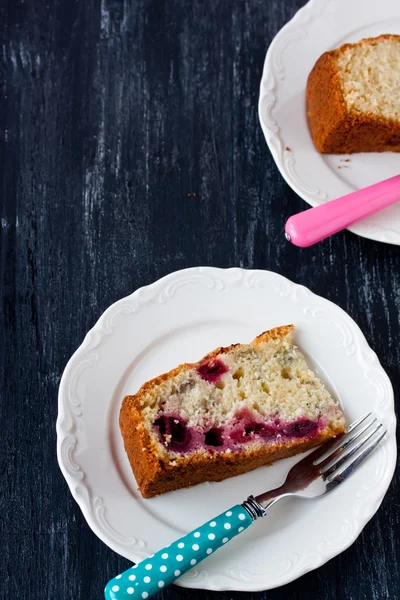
column 130, row 147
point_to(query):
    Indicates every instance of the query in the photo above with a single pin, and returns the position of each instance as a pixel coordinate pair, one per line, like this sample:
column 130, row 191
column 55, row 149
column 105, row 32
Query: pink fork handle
column 316, row 224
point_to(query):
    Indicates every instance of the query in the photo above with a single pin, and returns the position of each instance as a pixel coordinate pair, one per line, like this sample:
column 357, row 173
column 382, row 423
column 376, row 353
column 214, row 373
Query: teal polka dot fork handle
column 152, row 574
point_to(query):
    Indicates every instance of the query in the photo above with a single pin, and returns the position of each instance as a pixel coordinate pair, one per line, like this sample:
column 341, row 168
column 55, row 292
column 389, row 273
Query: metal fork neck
column 258, row 507
column 254, row 509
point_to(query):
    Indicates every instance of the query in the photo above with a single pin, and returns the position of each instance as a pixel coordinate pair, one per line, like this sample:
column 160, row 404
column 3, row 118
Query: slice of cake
column 237, row 409
column 353, row 97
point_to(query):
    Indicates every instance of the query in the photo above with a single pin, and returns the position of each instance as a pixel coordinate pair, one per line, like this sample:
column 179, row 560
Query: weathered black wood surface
column 130, row 147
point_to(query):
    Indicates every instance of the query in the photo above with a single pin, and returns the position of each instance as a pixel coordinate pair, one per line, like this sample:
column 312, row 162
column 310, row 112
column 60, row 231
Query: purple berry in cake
column 212, row 370
column 174, row 433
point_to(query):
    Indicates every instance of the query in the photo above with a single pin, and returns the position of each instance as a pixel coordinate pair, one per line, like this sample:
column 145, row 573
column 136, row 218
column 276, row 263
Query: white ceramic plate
column 319, row 26
column 180, row 318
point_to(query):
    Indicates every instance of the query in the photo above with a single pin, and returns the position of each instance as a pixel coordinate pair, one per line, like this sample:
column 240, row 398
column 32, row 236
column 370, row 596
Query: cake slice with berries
column 237, row 409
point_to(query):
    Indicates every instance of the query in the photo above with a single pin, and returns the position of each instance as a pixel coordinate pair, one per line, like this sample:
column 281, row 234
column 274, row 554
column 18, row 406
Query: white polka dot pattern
column 146, row 578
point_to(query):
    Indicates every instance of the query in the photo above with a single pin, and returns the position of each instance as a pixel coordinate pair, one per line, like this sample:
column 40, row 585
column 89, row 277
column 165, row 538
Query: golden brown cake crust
column 334, row 128
column 155, row 475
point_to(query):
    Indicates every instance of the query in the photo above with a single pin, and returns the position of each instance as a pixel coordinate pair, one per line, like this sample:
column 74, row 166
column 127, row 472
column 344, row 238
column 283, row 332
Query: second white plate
column 180, row 318
column 319, row 26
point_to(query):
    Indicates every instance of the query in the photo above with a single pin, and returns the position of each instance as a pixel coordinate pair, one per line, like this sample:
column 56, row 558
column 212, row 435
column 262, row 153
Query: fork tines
column 335, row 464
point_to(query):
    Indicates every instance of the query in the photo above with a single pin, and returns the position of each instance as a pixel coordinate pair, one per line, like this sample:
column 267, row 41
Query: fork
column 318, row 473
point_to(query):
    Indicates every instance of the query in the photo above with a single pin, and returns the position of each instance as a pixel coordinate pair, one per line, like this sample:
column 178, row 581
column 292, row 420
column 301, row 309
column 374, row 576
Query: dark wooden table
column 131, row 147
